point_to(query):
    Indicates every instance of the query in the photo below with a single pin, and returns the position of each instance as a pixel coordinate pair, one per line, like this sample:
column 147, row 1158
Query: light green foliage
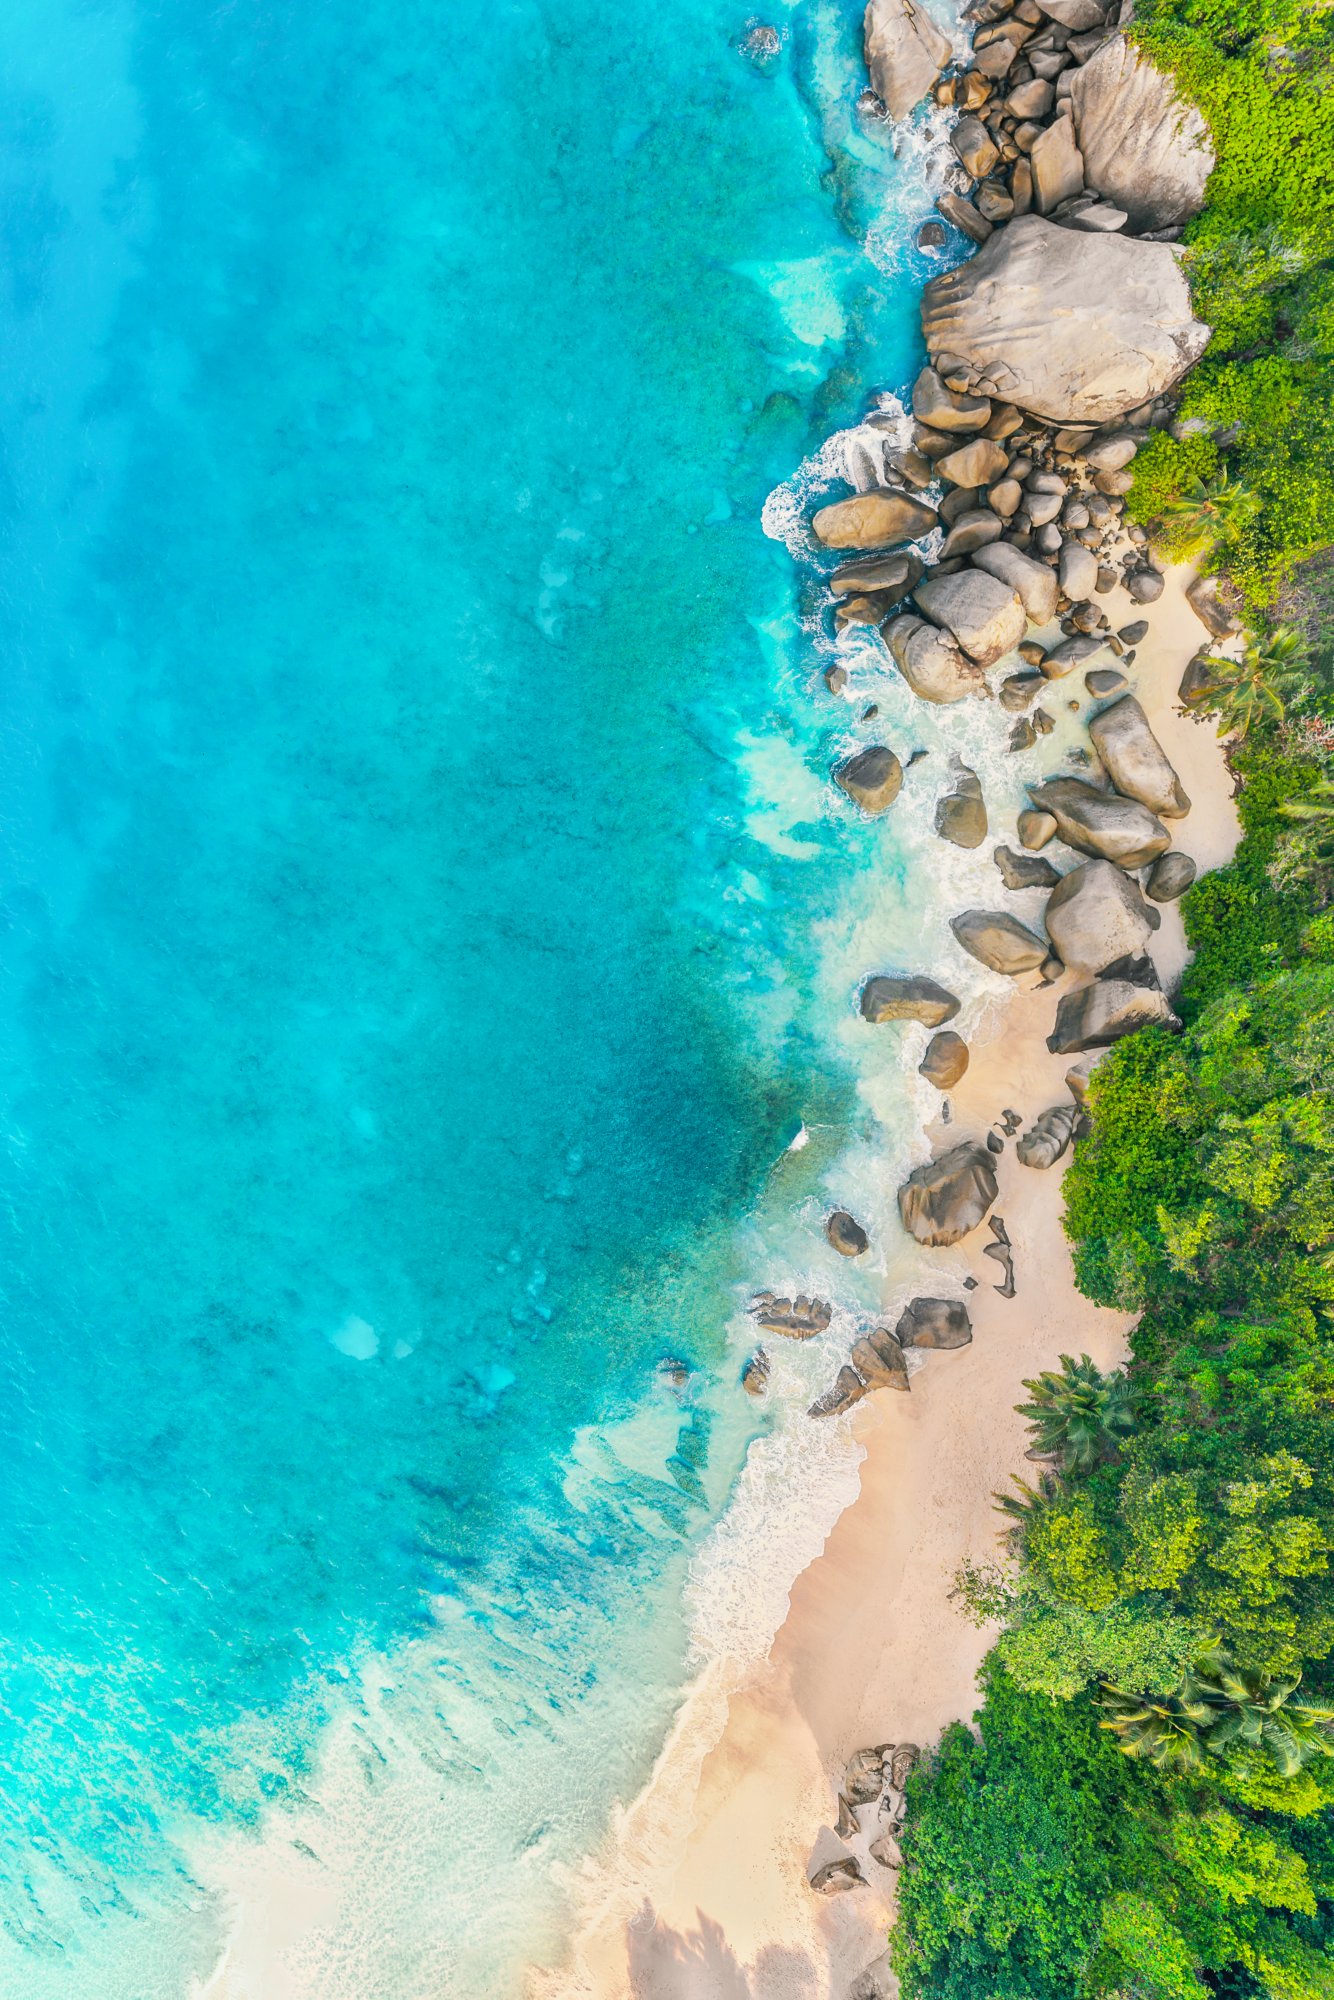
column 1059, row 1649
column 1148, row 1951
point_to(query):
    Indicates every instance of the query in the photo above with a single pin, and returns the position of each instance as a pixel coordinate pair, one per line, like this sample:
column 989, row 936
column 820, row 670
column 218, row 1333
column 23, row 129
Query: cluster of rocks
column 870, row 1802
column 879, row 1357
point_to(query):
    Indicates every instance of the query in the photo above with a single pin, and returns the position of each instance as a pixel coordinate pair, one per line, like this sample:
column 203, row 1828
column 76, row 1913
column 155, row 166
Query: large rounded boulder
column 905, row 53
column 1072, row 325
column 1100, row 823
column 943, row 1200
column 1144, row 147
column 1136, row 761
column 1095, row 914
column 998, row 940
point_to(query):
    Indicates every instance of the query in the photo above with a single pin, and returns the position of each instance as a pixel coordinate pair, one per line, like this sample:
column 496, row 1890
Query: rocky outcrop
column 934, row 1323
column 875, row 520
column 835, row 1876
column 1024, row 871
column 1095, row 915
column 889, row 996
column 985, row 615
column 1058, row 168
column 933, row 666
column 800, row 1318
column 905, row 53
column 1048, row 1137
column 961, row 814
column 1000, row 941
column 1170, row 876
column 871, row 778
column 1100, row 823
column 846, row 1234
column 1144, row 147
column 934, row 403
column 943, row 1200
column 897, row 573
column 848, row 1389
column 878, row 1359
column 1135, row 759
column 1034, row 584
column 946, row 1059
column 1075, row 326
column 1126, row 996
column 755, row 1374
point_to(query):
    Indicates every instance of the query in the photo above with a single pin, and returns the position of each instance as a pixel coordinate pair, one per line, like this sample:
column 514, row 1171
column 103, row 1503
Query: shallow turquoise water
column 398, row 1014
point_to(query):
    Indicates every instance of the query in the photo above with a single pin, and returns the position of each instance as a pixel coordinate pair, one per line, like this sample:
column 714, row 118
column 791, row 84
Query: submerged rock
column 1100, row 823
column 1071, row 325
column 998, row 940
column 1144, row 146
column 946, row 1059
column 755, row 1373
column 1097, row 914
column 1135, row 759
column 934, row 1323
column 890, row 996
column 871, row 778
column 941, row 1201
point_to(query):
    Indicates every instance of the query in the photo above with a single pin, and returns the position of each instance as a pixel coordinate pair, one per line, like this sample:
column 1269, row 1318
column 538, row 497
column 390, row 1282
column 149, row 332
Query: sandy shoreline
column 707, row 1870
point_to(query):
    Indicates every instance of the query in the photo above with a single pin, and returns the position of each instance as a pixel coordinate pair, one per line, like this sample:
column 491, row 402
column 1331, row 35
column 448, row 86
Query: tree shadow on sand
column 666, row 1964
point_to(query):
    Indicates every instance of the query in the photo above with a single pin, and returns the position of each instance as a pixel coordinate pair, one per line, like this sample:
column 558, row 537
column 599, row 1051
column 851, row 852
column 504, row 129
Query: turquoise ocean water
column 413, row 839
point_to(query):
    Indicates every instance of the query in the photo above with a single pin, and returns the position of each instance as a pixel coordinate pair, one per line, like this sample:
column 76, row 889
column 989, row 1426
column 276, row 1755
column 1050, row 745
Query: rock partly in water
column 935, row 404
column 848, row 1389
column 874, row 520
column 800, row 1318
column 934, row 1323
column 1135, row 760
column 1025, row 871
column 945, row 1060
column 1144, row 146
column 846, row 1234
column 1170, row 876
column 899, row 573
column 905, row 53
column 1035, row 829
column 961, row 814
column 1124, row 997
column 1100, row 823
column 878, row 1359
column 1048, row 1137
column 906, row 997
column 943, row 1200
column 984, row 614
column 1070, row 325
column 871, row 778
column 1000, row 941
column 755, row 1374
column 1034, row 583
column 934, row 667
column 1097, row 914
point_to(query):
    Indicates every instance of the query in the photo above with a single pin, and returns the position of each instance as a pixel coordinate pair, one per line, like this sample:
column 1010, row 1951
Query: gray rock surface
column 1126, row 996
column 946, row 1059
column 906, row 997
column 1135, row 760
column 1025, row 871
column 1100, row 823
column 905, row 53
column 1170, row 876
column 897, row 572
column 755, row 1374
column 983, row 614
column 934, row 1323
column 1095, row 915
column 1077, row 571
column 1057, row 166
column 934, row 667
column 871, row 778
column 976, row 463
column 943, row 1200
column 1072, row 326
column 1035, row 829
column 1144, row 146
column 1000, row 941
column 873, row 520
column 974, row 529
column 1035, row 584
column 1048, row 1137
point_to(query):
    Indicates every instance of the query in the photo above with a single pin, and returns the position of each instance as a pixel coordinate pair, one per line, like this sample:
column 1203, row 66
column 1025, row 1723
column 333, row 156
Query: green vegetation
column 1251, row 483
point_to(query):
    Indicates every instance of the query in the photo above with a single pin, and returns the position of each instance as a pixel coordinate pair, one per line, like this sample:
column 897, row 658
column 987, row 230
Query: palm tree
column 1080, row 1416
column 1210, row 511
column 1315, row 809
column 1241, row 691
column 1158, row 1728
column 1029, row 1501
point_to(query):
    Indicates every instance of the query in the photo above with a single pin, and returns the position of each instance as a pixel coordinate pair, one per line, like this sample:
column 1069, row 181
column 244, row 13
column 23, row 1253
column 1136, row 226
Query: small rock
column 848, row 1389
column 1170, row 876
column 1035, row 829
column 846, row 1234
column 964, row 217
column 934, row 668
column 897, row 572
column 885, row 1850
column 975, row 147
column 945, row 1060
column 1077, row 571
column 871, row 778
column 931, row 236
column 976, row 463
column 1145, row 586
column 1048, row 1137
column 755, row 1374
column 935, row 404
column 1024, row 871
column 837, row 1876
column 1131, row 635
column 864, row 1778
column 974, row 528
column 1104, row 681
column 1206, row 601
column 1016, row 691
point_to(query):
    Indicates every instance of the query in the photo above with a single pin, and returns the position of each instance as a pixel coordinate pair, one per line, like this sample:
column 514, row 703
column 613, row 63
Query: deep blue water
column 388, row 395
